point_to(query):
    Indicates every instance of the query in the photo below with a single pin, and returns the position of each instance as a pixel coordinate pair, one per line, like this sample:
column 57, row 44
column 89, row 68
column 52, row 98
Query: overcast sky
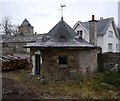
column 44, row 14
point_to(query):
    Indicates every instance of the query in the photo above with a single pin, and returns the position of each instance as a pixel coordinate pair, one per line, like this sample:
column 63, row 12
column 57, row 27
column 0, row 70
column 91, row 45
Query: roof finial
column 62, row 11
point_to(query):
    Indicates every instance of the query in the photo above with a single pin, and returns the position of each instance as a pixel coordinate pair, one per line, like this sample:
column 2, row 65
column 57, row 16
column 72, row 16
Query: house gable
column 110, row 39
column 79, row 26
column 25, row 28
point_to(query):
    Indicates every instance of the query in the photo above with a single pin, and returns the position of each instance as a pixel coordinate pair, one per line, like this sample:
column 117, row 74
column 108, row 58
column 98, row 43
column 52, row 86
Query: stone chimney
column 101, row 18
column 93, row 31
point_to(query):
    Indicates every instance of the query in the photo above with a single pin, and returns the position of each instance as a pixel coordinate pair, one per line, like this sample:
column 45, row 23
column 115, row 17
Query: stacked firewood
column 13, row 63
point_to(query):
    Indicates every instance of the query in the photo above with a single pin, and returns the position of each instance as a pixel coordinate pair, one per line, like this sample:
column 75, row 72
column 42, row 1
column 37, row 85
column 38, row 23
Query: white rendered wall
column 107, row 39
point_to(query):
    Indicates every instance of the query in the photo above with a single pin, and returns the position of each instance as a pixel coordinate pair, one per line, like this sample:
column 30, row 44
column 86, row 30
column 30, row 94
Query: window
column 110, row 47
column 5, row 44
column 110, row 33
column 63, row 60
column 80, row 33
column 117, row 48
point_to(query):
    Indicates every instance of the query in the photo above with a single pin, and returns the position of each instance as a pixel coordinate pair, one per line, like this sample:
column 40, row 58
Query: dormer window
column 45, row 38
column 80, row 33
column 62, row 38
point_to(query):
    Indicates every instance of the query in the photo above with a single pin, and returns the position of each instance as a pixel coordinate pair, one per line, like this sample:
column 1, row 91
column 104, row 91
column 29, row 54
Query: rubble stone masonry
column 80, row 61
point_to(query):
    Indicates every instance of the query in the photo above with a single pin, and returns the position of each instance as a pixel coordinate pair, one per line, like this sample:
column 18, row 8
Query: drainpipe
column 119, row 42
column 93, row 31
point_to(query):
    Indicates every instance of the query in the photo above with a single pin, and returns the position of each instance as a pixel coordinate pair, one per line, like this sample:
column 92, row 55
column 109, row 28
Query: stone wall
column 26, row 30
column 80, row 61
column 7, row 50
column 109, row 61
column 12, row 48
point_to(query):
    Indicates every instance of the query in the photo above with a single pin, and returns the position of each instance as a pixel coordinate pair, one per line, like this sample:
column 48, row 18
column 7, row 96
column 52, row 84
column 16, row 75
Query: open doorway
column 37, row 64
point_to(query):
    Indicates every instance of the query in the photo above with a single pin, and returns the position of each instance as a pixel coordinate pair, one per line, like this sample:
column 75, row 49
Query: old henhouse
column 62, row 54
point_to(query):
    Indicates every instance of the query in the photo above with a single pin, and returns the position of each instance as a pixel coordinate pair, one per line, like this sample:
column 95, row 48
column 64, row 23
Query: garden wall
column 108, row 61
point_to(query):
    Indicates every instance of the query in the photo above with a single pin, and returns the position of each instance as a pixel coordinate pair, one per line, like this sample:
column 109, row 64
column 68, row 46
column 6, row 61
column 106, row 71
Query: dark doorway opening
column 37, row 64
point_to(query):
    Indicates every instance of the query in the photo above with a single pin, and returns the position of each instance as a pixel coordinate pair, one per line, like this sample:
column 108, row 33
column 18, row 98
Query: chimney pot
column 101, row 18
column 93, row 17
column 35, row 32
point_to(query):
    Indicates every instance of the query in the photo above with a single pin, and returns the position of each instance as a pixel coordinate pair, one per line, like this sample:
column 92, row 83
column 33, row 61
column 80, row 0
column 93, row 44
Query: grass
column 18, row 76
column 112, row 78
column 96, row 86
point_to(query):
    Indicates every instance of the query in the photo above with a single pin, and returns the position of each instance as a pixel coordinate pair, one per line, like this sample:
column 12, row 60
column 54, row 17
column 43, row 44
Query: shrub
column 112, row 77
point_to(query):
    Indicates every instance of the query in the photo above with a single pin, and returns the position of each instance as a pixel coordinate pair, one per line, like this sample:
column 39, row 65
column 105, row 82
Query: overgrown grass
column 93, row 86
column 104, row 85
column 18, row 75
column 112, row 78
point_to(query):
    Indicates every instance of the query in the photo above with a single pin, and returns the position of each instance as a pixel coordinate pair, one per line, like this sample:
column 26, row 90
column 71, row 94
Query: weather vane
column 62, row 11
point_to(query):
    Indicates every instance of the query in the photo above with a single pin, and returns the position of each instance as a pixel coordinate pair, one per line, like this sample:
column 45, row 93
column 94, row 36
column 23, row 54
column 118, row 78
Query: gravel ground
column 13, row 90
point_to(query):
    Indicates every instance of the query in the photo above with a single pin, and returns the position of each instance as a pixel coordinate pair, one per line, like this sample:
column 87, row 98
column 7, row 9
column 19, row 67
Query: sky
column 45, row 14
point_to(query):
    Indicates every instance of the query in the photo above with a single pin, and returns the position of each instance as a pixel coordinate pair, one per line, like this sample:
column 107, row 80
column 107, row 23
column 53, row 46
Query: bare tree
column 7, row 27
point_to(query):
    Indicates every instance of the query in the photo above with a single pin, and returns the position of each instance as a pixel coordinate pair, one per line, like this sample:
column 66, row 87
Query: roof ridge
column 25, row 22
column 98, row 20
column 102, row 25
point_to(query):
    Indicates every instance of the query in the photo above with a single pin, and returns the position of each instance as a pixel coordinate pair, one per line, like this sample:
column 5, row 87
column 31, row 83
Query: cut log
column 13, row 63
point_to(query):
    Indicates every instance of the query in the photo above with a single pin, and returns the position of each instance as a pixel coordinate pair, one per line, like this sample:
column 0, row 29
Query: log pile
column 13, row 63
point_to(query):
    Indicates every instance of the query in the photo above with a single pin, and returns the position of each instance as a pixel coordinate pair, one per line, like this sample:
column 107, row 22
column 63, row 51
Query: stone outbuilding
column 25, row 28
column 62, row 54
column 13, row 44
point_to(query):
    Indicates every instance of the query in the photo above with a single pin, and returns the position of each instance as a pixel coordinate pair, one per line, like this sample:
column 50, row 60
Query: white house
column 106, row 30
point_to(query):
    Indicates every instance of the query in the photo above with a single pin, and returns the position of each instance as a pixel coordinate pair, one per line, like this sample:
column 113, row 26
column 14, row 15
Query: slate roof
column 24, row 38
column 62, row 29
column 102, row 26
column 3, row 37
column 61, row 35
